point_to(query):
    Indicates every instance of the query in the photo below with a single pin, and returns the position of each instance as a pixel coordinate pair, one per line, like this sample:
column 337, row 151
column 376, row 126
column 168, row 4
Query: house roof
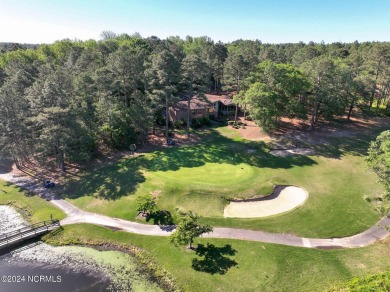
column 225, row 99
column 204, row 103
column 196, row 103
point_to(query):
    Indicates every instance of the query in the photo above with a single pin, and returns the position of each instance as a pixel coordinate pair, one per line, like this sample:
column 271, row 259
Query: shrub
column 178, row 124
column 196, row 123
column 377, row 282
column 206, row 121
column 146, row 204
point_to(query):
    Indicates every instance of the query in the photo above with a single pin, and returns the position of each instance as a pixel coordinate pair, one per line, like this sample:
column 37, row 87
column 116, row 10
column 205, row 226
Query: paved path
column 75, row 215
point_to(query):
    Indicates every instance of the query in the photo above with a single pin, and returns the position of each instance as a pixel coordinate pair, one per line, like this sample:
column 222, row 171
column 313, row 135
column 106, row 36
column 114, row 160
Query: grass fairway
column 235, row 265
column 223, row 166
column 34, row 208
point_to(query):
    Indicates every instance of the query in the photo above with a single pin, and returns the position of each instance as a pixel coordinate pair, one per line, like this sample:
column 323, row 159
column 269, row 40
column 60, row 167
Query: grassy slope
column 223, row 166
column 201, row 177
column 33, row 207
column 259, row 266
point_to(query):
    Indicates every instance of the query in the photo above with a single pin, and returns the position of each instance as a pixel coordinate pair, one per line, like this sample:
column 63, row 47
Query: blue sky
column 271, row 21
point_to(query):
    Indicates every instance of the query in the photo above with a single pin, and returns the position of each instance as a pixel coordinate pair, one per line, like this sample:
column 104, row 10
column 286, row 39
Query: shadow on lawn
column 122, row 178
column 160, row 217
column 215, row 260
column 358, row 145
column 110, row 182
column 216, row 148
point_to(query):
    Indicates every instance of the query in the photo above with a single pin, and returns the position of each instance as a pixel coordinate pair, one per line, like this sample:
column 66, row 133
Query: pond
column 34, row 277
column 41, row 267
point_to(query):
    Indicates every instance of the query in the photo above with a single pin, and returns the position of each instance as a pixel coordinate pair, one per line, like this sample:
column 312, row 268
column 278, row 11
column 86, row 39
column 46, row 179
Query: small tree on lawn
column 187, row 229
column 146, row 204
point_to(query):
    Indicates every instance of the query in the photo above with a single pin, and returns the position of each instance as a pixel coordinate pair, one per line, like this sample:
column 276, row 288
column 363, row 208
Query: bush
column 160, row 119
column 146, row 204
column 368, row 198
column 196, row 123
column 377, row 282
column 178, row 124
column 206, row 121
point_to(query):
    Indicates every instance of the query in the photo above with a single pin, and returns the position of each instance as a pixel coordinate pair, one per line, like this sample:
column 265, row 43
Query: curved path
column 75, row 215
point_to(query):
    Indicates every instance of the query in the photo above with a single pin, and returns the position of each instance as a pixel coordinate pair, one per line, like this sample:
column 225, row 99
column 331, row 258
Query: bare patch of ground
column 251, row 131
column 158, row 140
column 283, row 199
column 293, row 151
column 296, row 132
column 156, row 193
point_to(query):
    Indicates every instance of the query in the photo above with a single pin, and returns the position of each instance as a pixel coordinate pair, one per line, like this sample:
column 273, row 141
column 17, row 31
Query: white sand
column 293, row 151
column 283, row 200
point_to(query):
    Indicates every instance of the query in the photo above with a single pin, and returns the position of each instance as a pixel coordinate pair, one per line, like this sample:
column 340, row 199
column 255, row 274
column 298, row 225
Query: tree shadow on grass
column 216, row 148
column 160, row 217
column 123, row 178
column 336, row 147
column 110, row 182
column 215, row 260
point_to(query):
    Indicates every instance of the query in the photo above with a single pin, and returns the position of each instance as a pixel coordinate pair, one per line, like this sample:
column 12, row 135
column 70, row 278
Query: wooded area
column 60, row 102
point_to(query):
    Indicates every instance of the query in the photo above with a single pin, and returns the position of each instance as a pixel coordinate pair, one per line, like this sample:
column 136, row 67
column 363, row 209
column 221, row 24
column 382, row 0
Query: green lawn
column 223, row 166
column 32, row 207
column 234, row 265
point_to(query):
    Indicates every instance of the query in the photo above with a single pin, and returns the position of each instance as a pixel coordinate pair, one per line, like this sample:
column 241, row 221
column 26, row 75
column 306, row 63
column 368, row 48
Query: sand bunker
column 293, row 151
column 283, row 199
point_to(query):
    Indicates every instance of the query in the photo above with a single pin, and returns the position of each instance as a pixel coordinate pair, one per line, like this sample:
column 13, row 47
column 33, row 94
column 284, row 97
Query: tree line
column 61, row 102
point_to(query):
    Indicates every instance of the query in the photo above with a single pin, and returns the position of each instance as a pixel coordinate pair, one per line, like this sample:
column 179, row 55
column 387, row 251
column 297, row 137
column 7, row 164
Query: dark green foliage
column 206, row 121
column 187, row 229
column 163, row 74
column 146, row 204
column 274, row 92
column 326, row 99
column 178, row 124
column 378, row 160
column 199, row 122
column 196, row 123
column 61, row 102
column 194, row 80
column 15, row 135
column 378, row 282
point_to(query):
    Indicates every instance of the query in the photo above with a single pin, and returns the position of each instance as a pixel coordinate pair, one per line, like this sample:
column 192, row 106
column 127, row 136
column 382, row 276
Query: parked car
column 49, row 184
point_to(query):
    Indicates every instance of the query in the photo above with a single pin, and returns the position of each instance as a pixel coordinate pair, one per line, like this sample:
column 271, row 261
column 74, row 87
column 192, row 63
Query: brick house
column 212, row 106
column 223, row 105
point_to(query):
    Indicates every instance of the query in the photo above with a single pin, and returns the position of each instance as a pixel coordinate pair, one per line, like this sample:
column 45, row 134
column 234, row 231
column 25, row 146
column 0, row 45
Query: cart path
column 365, row 238
column 75, row 215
